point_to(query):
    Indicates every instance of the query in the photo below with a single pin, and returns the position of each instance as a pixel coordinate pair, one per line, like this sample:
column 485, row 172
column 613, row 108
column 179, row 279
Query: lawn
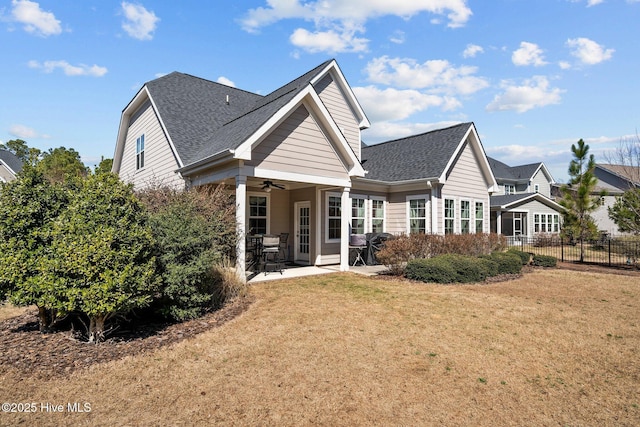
column 555, row 347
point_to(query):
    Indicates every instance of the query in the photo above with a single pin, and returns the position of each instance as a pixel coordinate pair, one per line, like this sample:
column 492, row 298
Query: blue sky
column 534, row 76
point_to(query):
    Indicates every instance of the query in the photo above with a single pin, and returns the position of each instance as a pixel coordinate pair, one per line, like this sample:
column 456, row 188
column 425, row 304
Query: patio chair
column 283, row 246
column 358, row 243
column 271, row 253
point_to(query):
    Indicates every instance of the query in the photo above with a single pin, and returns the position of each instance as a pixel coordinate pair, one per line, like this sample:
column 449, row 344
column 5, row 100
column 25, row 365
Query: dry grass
column 555, row 347
column 8, row 310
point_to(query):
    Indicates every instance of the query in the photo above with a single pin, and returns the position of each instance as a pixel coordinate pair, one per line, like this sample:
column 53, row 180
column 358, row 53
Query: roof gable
column 510, row 201
column 11, row 161
column 629, row 174
column 521, row 173
column 427, row 156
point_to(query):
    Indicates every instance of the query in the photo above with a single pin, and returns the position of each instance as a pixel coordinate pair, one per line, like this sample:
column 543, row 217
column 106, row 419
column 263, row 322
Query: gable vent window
column 140, row 152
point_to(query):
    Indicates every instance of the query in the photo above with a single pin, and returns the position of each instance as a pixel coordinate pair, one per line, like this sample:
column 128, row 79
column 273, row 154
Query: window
column 546, row 223
column 418, row 215
column 357, row 216
column 140, row 152
column 258, row 215
column 465, row 216
column 509, row 189
column 377, row 216
column 449, row 215
column 334, row 217
column 479, row 217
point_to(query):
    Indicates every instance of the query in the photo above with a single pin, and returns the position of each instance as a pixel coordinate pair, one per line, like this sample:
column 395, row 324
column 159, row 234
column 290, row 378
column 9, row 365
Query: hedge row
column 452, row 268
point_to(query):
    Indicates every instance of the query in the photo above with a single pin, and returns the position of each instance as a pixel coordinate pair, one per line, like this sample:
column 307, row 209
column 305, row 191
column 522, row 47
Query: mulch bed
column 39, row 355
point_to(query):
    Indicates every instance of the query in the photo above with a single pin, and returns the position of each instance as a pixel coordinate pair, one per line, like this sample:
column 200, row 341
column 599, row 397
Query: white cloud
column 594, row 2
column 353, row 11
column 339, row 20
column 330, row 41
column 225, row 81
column 533, row 93
column 398, row 37
column 140, row 23
column 439, row 76
column 393, row 104
column 385, row 131
column 68, row 69
column 35, row 20
column 25, row 132
column 472, row 50
column 528, row 54
column 564, row 65
column 588, row 51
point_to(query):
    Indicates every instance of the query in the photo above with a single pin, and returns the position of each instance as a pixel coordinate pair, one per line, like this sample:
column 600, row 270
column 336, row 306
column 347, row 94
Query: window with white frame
column 479, row 217
column 449, row 215
column 509, row 189
column 417, row 214
column 140, row 152
column 358, row 215
column 334, row 217
column 546, row 223
column 258, row 214
column 465, row 216
column 377, row 216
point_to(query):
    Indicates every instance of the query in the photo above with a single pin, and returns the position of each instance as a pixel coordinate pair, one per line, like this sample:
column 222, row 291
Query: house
column 297, row 164
column 614, row 180
column 10, row 166
column 523, row 204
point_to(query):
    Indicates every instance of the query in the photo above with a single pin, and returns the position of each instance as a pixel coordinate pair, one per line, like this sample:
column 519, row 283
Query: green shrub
column 508, row 263
column 525, row 257
column 432, row 270
column 545, row 261
column 451, row 268
column 195, row 233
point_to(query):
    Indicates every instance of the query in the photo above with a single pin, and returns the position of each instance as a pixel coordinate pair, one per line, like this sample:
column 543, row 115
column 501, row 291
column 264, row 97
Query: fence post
column 609, row 252
column 562, row 249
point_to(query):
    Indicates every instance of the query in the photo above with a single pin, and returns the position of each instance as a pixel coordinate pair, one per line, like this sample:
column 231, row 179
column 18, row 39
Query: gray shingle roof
column 503, row 171
column 415, row 157
column 507, row 199
column 202, row 124
column 11, row 160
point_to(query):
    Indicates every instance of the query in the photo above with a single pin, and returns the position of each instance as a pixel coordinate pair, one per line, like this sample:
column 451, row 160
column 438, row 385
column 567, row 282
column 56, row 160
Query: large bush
column 195, row 232
column 102, row 253
column 525, row 257
column 29, row 206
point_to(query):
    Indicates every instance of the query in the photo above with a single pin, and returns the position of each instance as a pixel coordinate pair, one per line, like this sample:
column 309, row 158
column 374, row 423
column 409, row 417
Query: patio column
column 345, row 219
column 241, row 247
column 499, row 222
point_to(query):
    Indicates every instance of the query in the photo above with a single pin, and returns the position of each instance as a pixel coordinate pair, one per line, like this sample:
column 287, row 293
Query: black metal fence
column 605, row 251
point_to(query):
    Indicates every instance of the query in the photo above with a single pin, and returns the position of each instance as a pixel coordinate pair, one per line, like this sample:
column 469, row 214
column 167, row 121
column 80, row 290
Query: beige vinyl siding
column 541, row 179
column 534, row 207
column 465, row 182
column 5, row 175
column 335, row 101
column 298, row 145
column 159, row 161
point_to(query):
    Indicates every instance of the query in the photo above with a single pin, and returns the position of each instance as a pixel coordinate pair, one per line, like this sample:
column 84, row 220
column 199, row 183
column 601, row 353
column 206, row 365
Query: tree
column 625, row 212
column 28, row 208
column 20, row 148
column 61, row 163
column 103, row 253
column 578, row 196
column 104, row 166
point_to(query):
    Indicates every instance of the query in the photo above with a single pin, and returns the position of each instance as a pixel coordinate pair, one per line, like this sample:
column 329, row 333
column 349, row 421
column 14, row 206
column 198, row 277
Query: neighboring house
column 614, row 180
column 10, row 166
column 523, row 206
column 297, row 164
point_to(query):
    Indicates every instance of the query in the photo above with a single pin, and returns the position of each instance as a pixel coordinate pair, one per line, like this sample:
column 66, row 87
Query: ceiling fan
column 266, row 186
